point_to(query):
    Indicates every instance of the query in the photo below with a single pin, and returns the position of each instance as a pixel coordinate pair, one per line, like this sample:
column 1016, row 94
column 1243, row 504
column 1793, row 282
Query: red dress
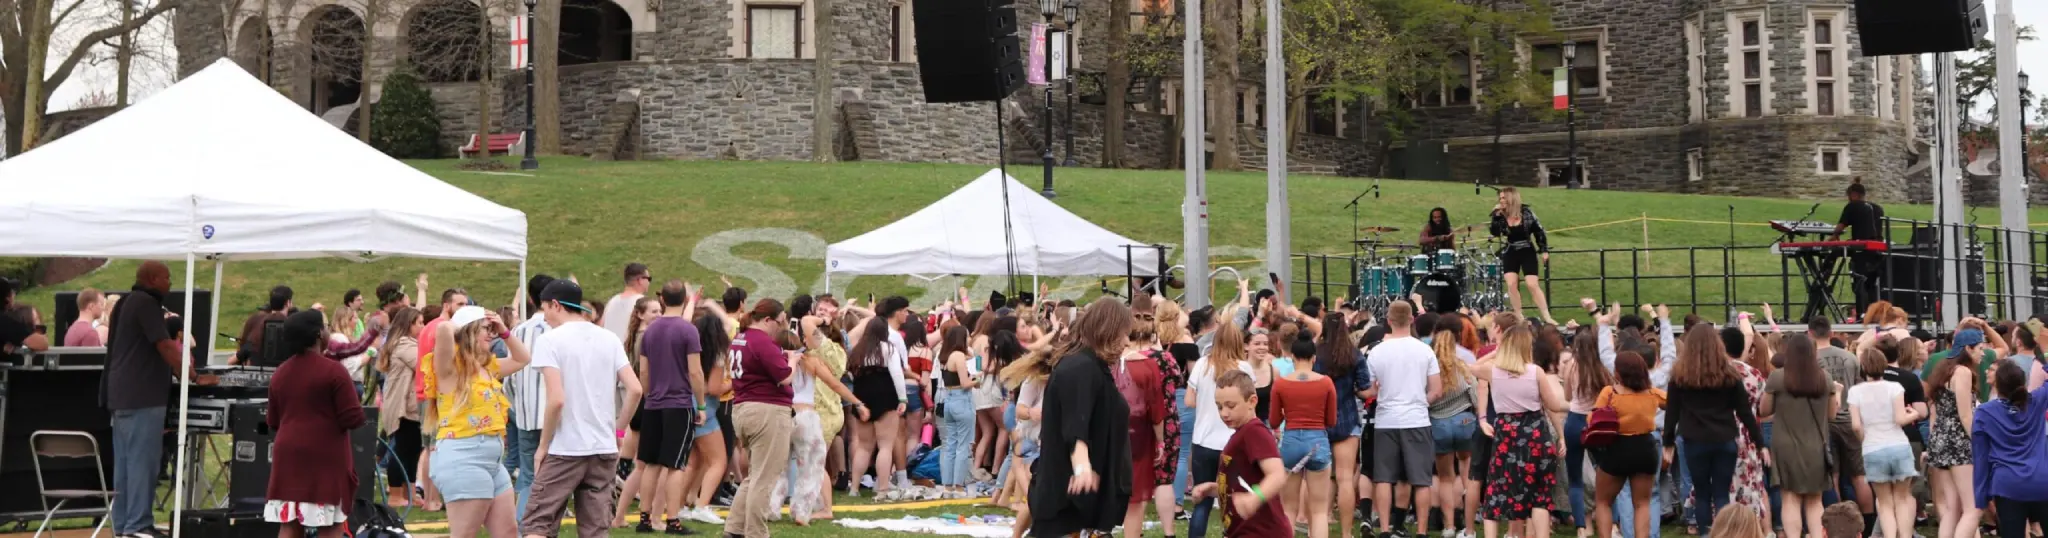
column 1144, row 373
column 313, row 407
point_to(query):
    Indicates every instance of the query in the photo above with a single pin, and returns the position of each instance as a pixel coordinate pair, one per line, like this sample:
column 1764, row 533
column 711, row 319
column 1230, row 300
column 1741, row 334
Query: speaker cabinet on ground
column 1891, row 27
column 967, row 50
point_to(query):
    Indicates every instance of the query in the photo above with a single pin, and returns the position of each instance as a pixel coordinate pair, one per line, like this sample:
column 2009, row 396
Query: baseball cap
column 1968, row 337
column 565, row 292
column 467, row 315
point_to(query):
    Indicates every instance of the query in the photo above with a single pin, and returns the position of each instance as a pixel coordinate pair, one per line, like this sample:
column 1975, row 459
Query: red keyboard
column 1799, row 247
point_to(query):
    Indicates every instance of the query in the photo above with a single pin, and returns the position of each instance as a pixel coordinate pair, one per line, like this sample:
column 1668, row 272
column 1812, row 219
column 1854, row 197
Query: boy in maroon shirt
column 1251, row 460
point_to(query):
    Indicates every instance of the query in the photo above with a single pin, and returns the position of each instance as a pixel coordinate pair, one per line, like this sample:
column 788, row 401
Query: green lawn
column 766, row 224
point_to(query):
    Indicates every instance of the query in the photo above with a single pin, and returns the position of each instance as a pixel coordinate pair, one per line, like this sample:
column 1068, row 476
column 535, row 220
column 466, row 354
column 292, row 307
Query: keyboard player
column 1863, row 220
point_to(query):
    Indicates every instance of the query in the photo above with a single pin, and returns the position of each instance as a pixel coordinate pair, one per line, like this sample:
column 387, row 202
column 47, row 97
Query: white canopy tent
column 222, row 167
column 963, row 234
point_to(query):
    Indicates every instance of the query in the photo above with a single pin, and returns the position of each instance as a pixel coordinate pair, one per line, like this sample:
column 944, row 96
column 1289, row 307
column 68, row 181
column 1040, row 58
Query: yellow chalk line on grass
column 851, row 508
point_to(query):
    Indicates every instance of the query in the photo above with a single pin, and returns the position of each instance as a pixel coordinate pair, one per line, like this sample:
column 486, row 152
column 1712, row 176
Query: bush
column 404, row 124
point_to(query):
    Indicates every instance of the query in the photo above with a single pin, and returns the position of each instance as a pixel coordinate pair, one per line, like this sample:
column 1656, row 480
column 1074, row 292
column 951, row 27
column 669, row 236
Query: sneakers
column 1467, row 533
column 703, row 514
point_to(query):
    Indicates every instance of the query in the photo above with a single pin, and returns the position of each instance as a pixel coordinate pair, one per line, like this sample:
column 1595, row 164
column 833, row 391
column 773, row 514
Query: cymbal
column 1379, row 229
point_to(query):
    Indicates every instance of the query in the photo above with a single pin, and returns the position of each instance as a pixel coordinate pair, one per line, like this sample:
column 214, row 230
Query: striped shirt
column 529, row 394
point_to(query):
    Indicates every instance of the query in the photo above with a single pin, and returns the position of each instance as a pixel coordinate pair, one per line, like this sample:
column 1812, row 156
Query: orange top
column 1304, row 405
column 1637, row 411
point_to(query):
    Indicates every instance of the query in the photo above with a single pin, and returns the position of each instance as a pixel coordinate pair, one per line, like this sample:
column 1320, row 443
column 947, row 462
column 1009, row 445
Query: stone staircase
column 620, row 139
column 857, row 131
column 1251, row 152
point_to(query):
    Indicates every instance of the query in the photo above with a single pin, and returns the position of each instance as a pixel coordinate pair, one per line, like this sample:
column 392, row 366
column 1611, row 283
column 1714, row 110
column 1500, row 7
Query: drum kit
column 1447, row 279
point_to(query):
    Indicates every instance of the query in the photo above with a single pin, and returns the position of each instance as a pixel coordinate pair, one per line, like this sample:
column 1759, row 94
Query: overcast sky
column 154, row 74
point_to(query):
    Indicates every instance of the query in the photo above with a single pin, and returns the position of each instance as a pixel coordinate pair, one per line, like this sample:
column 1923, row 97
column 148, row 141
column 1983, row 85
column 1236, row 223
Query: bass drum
column 1441, row 291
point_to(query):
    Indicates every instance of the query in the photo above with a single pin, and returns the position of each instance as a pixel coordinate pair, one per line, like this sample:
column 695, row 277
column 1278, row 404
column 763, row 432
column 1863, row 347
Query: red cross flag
column 519, row 44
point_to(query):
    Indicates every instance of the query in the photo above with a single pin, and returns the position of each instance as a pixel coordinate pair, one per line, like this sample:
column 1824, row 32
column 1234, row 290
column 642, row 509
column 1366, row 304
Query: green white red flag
column 1560, row 93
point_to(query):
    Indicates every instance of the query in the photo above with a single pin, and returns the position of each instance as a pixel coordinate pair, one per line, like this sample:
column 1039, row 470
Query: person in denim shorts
column 1303, row 404
column 1876, row 409
column 1453, row 425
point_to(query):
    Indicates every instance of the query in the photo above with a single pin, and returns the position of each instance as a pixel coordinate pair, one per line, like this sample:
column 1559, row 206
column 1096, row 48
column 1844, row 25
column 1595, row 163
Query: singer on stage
column 1436, row 234
column 1527, row 245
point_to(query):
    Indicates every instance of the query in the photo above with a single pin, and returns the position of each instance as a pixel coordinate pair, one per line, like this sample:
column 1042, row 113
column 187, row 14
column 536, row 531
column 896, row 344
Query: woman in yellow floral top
column 469, row 411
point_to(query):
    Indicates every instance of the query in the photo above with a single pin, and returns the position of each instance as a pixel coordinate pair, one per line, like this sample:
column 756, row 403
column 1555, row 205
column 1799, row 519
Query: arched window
column 594, row 31
column 333, row 36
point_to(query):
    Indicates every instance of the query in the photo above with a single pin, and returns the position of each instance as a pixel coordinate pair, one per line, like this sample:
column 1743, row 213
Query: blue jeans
column 519, row 447
column 1206, row 463
column 1187, row 441
column 1009, row 425
column 1624, row 505
column 1575, row 466
column 1770, row 486
column 1713, row 473
column 138, row 455
column 956, row 428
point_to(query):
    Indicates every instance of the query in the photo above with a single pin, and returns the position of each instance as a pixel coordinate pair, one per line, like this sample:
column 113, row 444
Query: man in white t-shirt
column 582, row 365
column 619, row 310
column 1405, row 379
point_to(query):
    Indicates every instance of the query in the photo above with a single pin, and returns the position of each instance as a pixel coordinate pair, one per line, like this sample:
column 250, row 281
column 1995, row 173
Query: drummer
column 1437, row 234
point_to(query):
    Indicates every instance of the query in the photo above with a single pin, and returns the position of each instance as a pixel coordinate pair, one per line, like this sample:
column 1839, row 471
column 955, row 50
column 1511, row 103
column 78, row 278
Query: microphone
column 1375, row 188
column 1475, row 187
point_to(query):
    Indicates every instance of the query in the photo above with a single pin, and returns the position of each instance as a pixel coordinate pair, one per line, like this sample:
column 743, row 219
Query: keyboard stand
column 1822, row 269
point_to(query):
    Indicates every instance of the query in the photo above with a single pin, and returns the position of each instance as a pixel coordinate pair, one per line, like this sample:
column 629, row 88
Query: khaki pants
column 590, row 479
column 764, row 430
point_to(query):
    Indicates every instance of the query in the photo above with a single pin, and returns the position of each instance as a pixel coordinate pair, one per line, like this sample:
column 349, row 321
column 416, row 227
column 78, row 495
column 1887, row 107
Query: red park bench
column 509, row 144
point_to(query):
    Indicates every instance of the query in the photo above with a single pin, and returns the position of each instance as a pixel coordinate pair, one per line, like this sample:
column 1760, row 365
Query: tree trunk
column 370, row 14
column 483, row 82
column 1297, row 101
column 1223, row 105
column 547, row 77
column 124, row 55
column 822, row 111
column 32, row 91
column 1116, row 88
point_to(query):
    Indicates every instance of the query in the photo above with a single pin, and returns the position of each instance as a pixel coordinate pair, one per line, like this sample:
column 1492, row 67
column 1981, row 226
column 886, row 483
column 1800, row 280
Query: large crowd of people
column 1118, row 415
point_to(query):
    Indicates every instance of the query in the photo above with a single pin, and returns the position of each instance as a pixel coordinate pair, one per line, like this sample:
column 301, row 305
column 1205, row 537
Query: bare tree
column 821, row 82
column 1225, row 23
column 547, row 76
column 26, row 27
column 1116, row 86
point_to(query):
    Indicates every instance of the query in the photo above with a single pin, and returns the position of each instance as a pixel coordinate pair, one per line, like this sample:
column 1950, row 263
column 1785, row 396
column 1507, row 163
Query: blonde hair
column 1514, row 352
column 342, row 320
column 1229, row 350
column 1514, row 202
column 1454, row 374
column 1171, row 320
column 470, row 358
column 1738, row 521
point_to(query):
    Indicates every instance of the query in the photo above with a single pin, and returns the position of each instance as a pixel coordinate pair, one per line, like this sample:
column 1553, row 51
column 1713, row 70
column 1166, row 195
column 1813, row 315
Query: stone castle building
column 1750, row 97
column 1741, row 97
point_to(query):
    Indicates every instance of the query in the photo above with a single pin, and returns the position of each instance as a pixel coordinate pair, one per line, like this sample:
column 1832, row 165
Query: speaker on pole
column 967, row 50
column 1889, row 27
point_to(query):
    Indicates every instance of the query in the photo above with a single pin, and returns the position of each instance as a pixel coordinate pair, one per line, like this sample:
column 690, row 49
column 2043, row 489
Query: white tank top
column 801, row 387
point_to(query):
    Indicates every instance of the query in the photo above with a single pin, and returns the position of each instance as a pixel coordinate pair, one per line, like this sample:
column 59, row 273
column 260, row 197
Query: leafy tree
column 1977, row 77
column 406, row 125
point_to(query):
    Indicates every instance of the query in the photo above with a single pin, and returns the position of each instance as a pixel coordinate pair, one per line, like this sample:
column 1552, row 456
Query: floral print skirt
column 1524, row 464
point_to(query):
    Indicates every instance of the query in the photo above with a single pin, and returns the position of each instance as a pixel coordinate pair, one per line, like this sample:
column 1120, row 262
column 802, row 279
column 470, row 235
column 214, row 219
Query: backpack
column 1603, row 427
column 1134, row 396
column 374, row 520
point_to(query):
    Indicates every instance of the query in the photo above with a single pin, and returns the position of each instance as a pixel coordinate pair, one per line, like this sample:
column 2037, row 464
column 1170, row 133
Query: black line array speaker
column 967, row 50
column 1919, row 26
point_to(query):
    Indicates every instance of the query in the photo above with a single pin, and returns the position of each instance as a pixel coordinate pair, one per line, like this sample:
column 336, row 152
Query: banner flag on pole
column 1560, row 93
column 1034, row 69
column 519, row 44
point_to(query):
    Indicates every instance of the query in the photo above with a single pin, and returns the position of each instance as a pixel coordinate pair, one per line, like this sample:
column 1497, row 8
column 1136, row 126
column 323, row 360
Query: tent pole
column 519, row 299
column 213, row 340
column 828, row 281
column 184, row 406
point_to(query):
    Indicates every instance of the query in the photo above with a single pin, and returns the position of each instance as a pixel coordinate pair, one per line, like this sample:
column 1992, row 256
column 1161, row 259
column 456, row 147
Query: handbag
column 1603, row 427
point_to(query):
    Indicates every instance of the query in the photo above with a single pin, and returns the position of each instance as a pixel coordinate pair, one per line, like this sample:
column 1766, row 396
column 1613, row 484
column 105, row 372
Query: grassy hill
column 766, row 225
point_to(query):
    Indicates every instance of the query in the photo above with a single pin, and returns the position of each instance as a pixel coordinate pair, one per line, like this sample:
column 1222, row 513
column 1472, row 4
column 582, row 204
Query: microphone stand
column 1374, row 190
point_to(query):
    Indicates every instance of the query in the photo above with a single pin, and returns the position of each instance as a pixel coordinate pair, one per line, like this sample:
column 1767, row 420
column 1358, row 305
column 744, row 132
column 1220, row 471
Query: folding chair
column 70, row 445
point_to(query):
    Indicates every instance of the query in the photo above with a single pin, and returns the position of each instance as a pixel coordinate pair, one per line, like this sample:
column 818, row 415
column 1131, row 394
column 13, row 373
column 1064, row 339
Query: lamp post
column 529, row 162
column 1571, row 108
column 1071, row 11
column 1048, row 8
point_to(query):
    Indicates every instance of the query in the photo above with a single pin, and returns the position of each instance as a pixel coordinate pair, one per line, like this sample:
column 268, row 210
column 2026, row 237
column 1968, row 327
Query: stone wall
column 1148, row 137
column 58, row 124
column 761, row 110
column 1770, row 157
column 197, row 34
column 456, row 104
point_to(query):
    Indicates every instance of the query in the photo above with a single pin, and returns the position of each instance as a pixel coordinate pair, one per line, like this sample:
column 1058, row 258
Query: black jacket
column 1081, row 404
